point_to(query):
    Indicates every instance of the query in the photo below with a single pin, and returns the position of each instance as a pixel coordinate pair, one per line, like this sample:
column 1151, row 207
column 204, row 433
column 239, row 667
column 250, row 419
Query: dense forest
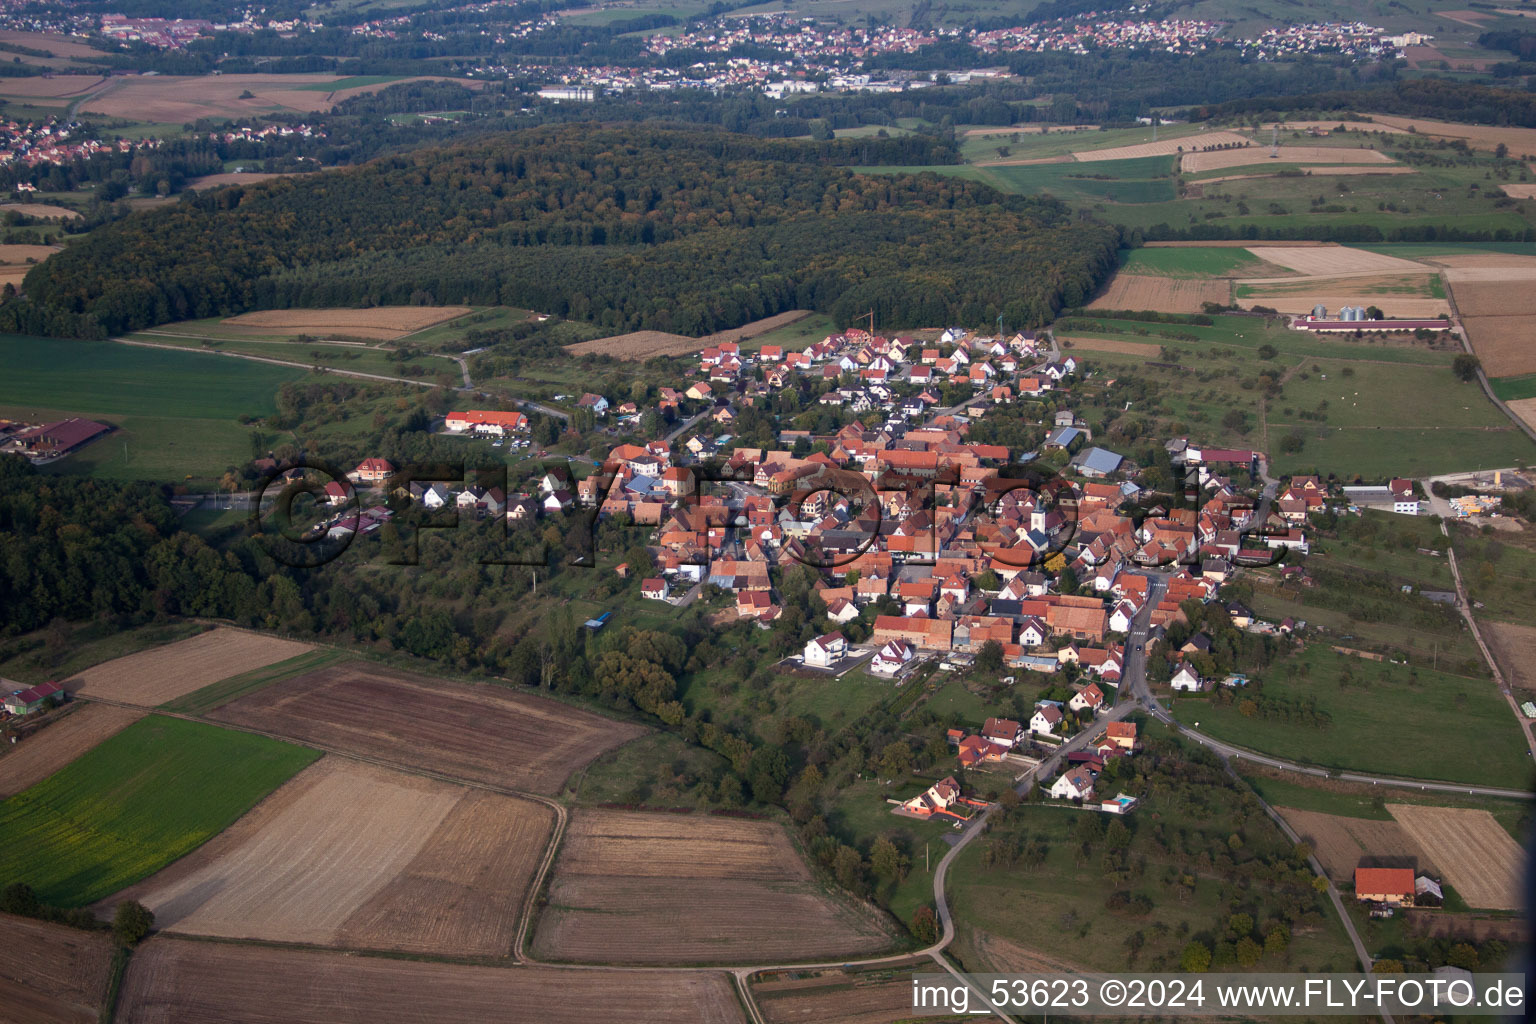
column 1421, row 97
column 657, row 228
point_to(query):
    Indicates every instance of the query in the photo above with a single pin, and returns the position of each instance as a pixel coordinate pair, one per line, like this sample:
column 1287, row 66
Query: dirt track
column 150, row 678
column 174, row 981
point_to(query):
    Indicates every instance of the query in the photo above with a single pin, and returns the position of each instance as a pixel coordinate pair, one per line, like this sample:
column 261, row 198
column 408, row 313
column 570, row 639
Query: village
column 930, row 551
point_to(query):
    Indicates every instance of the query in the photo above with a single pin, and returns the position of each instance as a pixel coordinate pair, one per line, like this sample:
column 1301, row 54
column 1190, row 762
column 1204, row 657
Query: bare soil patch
column 1164, row 147
column 1162, row 294
column 174, row 981
column 150, row 678
column 1519, row 190
column 1495, row 302
column 45, row 210
column 364, row 857
column 40, row 754
column 1343, row 844
column 1233, row 243
column 1333, row 260
column 1484, row 260
column 178, row 99
column 1514, row 645
column 1478, row 857
column 51, row 974
column 383, row 322
column 638, row 888
column 1214, row 160
column 642, row 345
column 1125, row 348
column 479, row 732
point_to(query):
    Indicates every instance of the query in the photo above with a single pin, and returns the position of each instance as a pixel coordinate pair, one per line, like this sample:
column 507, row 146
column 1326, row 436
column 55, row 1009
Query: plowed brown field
column 1341, row 843
column 358, row 856
column 37, row 756
column 51, row 974
column 1496, row 299
column 1478, row 857
column 478, row 732
column 662, row 888
column 177, row 99
column 1162, row 294
column 150, row 678
column 382, row 322
column 173, row 981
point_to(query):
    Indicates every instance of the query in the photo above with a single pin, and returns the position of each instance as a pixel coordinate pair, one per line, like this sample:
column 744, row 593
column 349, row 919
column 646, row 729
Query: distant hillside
column 638, row 228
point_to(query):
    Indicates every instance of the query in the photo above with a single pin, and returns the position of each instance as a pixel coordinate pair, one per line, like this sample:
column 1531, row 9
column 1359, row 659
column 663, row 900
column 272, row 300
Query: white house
column 842, row 610
column 1045, row 719
column 1089, row 698
column 1186, row 678
column 889, row 659
column 655, row 589
column 826, row 651
column 1121, row 618
column 1032, row 632
column 1076, row 784
column 1005, row 732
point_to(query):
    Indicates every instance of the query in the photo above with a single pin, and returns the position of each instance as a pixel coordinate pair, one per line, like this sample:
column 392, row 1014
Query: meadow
column 1371, row 707
column 143, row 798
column 1192, row 261
column 175, row 413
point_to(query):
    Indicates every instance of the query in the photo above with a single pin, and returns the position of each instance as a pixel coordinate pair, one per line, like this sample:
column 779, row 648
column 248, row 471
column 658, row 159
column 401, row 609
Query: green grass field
column 1513, row 388
column 1189, row 261
column 1374, row 706
column 141, row 799
column 1351, row 801
column 1143, row 180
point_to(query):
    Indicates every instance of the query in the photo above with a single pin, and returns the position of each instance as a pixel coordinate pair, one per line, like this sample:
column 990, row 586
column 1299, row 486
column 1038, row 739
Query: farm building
column 54, row 439
column 486, row 421
column 24, row 702
column 1312, row 323
column 1384, row 885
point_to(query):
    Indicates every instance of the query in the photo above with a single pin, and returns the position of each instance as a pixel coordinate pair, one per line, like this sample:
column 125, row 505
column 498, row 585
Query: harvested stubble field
column 33, row 759
column 1521, row 141
column 1519, row 190
column 656, row 888
column 363, row 857
column 233, row 178
column 1478, row 857
column 177, row 99
column 483, row 733
column 44, row 87
column 1333, row 260
column 639, row 346
column 1495, row 302
column 50, row 42
column 44, row 210
column 150, row 678
column 1343, row 844
column 384, row 323
column 1164, row 147
column 1215, row 160
column 1162, row 294
column 173, row 981
column 51, row 974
